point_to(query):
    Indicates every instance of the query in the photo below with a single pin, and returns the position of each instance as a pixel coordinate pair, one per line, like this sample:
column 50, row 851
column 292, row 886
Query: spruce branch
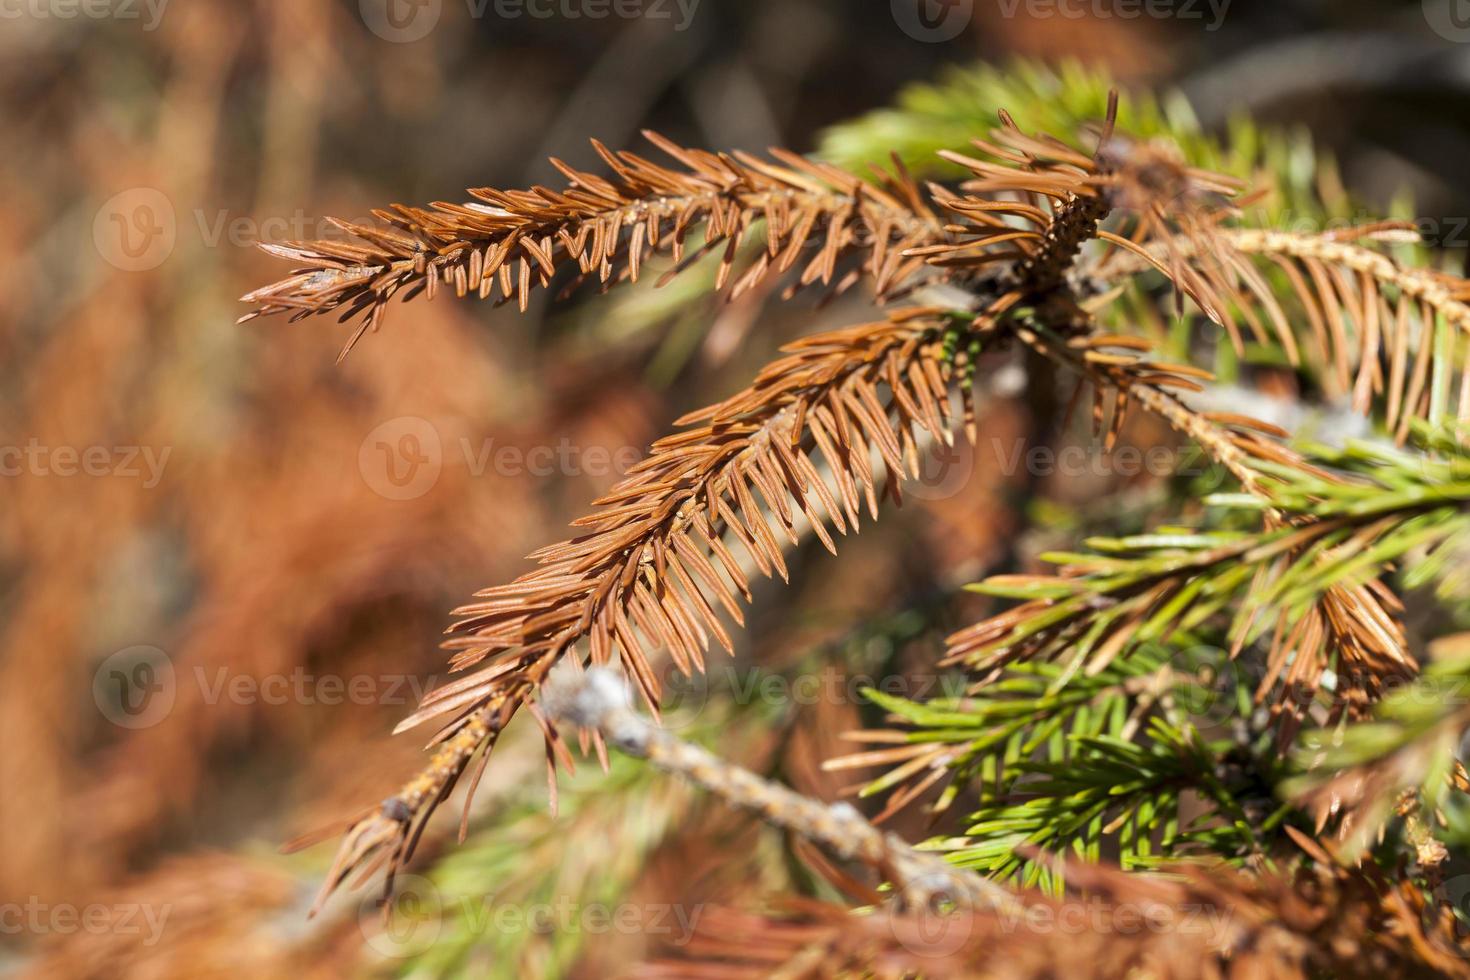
column 1038, row 234
column 1308, row 583
column 508, row 243
column 645, row 570
column 644, row 574
column 1336, row 519
column 1381, row 331
column 1073, row 763
column 1340, row 612
column 653, row 565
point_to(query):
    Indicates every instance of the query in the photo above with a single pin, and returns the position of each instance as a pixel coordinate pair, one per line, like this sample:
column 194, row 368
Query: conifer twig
column 1152, row 385
column 510, row 242
column 1361, row 306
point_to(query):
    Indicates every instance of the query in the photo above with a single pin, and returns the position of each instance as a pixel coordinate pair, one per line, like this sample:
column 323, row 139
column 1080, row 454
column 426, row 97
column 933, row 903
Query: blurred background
column 225, row 559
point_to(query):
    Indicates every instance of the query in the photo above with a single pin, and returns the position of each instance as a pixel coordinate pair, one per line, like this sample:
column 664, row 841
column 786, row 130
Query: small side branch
column 1140, row 379
column 599, row 699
